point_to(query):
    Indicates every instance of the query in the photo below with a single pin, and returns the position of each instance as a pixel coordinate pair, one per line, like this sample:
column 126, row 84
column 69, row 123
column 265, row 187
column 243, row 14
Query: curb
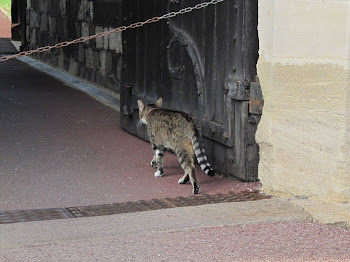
column 102, row 95
column 326, row 213
column 178, row 219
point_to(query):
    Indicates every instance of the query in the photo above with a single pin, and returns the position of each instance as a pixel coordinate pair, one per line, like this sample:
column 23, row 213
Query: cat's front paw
column 183, row 180
column 153, row 163
column 158, row 174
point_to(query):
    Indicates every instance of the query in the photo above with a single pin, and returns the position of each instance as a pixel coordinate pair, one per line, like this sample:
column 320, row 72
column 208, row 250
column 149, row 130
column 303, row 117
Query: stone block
column 82, row 69
column 86, row 74
column 44, row 22
column 96, row 59
column 77, row 25
column 89, row 57
column 86, row 10
column 81, row 53
column 103, row 81
column 99, row 40
column 107, row 13
column 73, row 51
column 72, row 29
column 112, row 83
column 34, row 19
column 52, row 24
column 92, row 75
column 28, row 33
column 85, row 29
column 106, row 62
column 28, row 11
column 34, row 37
column 98, row 77
column 53, row 7
column 106, row 39
column 54, row 60
column 117, row 63
column 60, row 26
column 72, row 8
column 115, row 42
column 61, row 58
column 43, row 6
column 63, row 7
column 73, row 68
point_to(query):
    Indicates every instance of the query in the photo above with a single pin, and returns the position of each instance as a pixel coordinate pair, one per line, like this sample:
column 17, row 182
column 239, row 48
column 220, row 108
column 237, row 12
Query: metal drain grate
column 7, row 217
column 16, row 216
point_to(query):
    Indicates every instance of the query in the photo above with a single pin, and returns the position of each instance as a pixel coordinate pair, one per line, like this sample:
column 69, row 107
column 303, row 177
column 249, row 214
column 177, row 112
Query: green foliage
column 6, row 6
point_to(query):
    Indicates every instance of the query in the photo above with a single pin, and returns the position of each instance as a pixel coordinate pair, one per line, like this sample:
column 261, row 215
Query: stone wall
column 304, row 70
column 53, row 21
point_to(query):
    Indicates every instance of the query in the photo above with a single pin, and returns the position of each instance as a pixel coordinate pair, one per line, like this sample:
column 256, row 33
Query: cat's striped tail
column 199, row 151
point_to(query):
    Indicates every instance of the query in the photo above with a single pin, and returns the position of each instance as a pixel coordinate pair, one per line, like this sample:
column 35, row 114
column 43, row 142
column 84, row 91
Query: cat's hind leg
column 193, row 177
column 159, row 153
column 186, row 158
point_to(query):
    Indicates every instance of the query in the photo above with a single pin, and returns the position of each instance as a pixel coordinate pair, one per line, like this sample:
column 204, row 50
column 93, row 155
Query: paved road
column 60, row 147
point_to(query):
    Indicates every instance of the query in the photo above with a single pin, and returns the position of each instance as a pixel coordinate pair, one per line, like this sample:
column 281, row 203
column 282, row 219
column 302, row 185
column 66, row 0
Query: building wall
column 304, row 70
column 53, row 21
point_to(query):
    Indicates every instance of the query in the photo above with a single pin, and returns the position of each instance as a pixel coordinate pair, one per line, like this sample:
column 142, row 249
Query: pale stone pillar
column 304, row 134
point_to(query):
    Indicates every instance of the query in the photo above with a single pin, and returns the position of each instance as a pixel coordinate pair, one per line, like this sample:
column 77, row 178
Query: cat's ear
column 159, row 102
column 141, row 105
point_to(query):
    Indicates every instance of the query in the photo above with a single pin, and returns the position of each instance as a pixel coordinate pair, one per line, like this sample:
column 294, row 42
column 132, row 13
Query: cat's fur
column 178, row 132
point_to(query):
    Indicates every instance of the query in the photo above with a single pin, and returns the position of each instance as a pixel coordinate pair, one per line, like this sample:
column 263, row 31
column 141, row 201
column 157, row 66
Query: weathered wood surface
column 191, row 61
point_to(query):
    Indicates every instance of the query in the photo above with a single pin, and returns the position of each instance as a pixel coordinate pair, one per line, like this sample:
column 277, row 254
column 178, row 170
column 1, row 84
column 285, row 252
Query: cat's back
column 169, row 119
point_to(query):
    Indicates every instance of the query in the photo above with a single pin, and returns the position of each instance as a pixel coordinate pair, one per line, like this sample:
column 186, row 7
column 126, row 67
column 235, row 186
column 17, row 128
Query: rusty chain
column 116, row 30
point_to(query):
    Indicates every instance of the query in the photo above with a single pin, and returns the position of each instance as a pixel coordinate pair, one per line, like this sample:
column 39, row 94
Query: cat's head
column 144, row 109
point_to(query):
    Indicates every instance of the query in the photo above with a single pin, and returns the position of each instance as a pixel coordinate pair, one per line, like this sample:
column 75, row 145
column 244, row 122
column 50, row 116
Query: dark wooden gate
column 202, row 63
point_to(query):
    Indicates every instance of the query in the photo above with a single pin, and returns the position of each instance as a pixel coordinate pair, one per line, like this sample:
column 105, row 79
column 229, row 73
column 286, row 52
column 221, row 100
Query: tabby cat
column 178, row 132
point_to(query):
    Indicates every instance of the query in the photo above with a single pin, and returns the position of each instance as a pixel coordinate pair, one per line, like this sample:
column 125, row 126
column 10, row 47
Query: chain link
column 116, row 30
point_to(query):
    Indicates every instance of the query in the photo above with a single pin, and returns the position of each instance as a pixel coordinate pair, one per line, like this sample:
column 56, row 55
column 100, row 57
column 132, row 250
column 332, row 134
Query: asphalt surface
column 60, row 147
column 64, row 148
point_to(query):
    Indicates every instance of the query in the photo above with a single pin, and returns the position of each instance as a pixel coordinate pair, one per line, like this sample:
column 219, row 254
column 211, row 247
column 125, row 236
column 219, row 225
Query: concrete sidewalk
column 266, row 230
column 59, row 147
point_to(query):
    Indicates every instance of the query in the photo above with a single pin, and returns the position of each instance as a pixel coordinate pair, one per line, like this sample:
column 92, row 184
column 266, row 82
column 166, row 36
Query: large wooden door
column 202, row 63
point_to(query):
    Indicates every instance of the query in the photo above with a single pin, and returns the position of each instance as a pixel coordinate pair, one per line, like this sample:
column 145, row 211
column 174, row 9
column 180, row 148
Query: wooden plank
column 210, row 63
column 128, row 76
column 252, row 151
column 164, row 78
column 220, row 158
column 209, row 149
column 140, row 50
column 221, row 58
column 241, row 114
column 250, row 41
column 237, row 15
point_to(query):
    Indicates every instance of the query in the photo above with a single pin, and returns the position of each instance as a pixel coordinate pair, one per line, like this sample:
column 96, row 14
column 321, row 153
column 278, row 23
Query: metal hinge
column 246, row 91
column 256, row 100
